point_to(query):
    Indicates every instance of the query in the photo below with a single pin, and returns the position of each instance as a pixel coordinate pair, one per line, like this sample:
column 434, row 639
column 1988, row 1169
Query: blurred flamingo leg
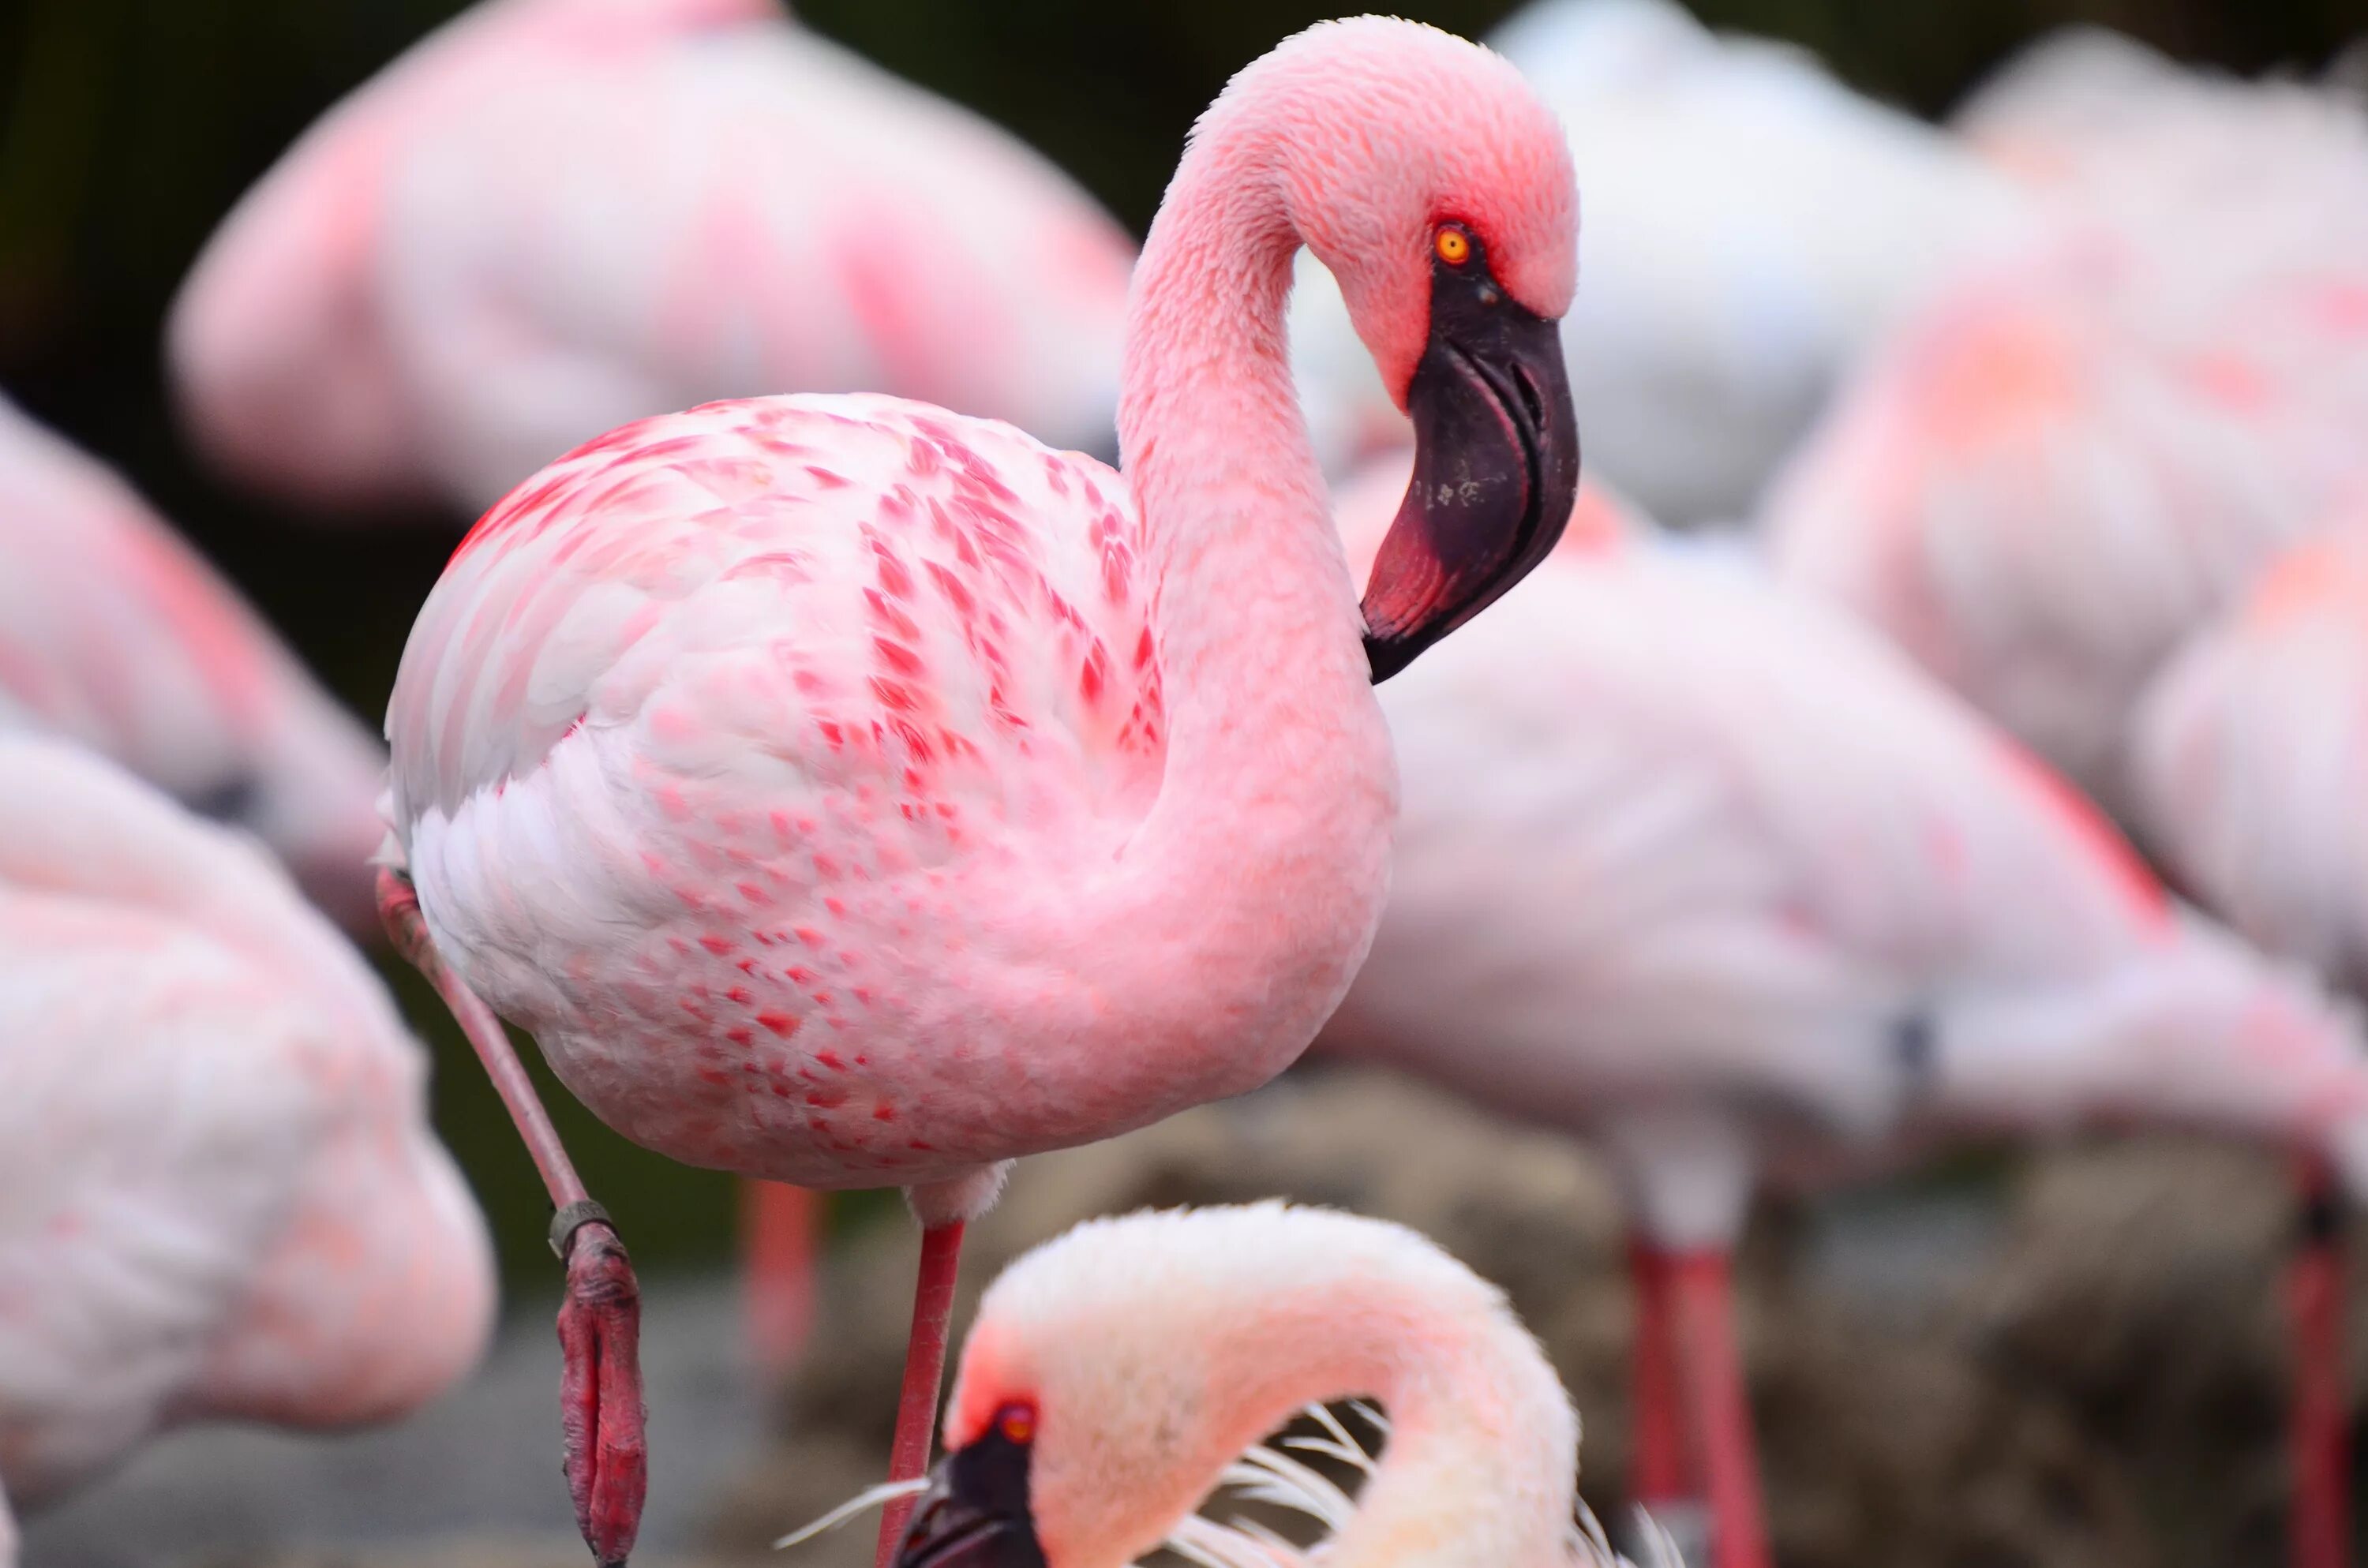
column 2320, row 1436
column 1658, row 1479
column 777, row 1242
column 1717, row 1401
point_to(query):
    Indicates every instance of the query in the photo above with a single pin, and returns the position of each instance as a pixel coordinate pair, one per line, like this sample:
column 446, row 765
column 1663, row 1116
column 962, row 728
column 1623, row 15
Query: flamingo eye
column 1016, row 1423
column 1452, row 245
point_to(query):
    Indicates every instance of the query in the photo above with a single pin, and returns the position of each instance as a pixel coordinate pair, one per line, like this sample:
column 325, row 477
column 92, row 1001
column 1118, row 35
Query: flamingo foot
column 2318, row 1436
column 600, row 1390
column 924, row 1367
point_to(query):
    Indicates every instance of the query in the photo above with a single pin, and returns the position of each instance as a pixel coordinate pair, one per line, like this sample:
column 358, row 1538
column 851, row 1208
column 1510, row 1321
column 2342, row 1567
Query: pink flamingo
column 2093, row 119
column 553, row 216
column 849, row 792
column 1706, row 870
column 2070, row 459
column 2247, row 768
column 1120, row 1374
column 114, row 632
column 218, row 1195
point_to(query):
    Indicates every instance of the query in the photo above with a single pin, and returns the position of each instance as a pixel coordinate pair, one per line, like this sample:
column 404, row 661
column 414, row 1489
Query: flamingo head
column 1437, row 187
column 1115, row 1374
column 1095, row 1401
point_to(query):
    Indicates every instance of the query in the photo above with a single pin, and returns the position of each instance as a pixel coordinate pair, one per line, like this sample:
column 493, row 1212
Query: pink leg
column 600, row 1320
column 1659, row 1478
column 776, row 1240
column 924, row 1367
column 1721, row 1407
column 2318, row 1436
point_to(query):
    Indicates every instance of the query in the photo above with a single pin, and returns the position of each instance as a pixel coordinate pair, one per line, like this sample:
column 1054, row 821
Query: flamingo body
column 555, row 216
column 222, row 1198
column 1718, row 845
column 780, row 722
column 114, row 632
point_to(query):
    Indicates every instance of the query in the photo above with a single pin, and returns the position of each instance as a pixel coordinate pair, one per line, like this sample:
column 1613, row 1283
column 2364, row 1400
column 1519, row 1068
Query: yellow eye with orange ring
column 1452, row 245
column 1016, row 1423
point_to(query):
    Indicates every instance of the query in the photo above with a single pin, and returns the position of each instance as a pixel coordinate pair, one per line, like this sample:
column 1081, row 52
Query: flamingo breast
column 749, row 758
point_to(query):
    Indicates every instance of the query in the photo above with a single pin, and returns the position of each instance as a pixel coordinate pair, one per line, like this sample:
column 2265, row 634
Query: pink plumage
column 852, row 792
column 1704, row 869
column 2069, row 460
column 222, row 1198
column 2249, row 754
column 115, row 632
column 553, row 216
column 737, row 708
column 1783, row 846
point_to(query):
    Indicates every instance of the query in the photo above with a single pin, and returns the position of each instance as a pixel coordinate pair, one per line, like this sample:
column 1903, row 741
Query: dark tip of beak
column 1495, row 467
column 946, row 1531
column 976, row 1513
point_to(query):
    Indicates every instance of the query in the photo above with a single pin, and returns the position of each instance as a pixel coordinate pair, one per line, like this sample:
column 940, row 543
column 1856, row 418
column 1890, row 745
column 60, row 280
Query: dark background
column 128, row 127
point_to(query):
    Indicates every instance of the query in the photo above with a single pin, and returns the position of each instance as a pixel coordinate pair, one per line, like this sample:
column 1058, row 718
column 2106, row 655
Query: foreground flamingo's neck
column 1480, row 1462
column 1268, row 843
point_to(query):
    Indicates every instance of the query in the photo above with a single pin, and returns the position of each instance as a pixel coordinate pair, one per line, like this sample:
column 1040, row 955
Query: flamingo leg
column 1702, row 1290
column 1664, row 1484
column 924, row 1366
column 600, row 1318
column 778, row 1225
column 2319, row 1436
column 1659, row 1477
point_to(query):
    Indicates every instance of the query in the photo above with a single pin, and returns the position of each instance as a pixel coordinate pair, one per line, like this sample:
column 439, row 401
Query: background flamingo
column 1703, row 870
column 1118, row 1375
column 2085, row 115
column 1753, row 226
column 853, row 793
column 2247, row 771
column 115, row 632
column 553, row 216
column 223, row 1199
column 2066, row 463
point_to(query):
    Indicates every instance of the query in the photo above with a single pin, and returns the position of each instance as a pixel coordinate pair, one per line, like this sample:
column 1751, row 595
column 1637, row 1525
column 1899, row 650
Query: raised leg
column 924, row 1367
column 778, row 1225
column 2318, row 1435
column 599, row 1321
column 1711, row 1372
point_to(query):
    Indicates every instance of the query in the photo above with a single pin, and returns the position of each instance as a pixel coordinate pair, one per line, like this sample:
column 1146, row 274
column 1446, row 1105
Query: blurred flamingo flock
column 1612, row 585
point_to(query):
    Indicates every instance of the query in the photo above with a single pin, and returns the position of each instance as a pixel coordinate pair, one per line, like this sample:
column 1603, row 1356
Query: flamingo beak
column 1496, row 466
column 976, row 1513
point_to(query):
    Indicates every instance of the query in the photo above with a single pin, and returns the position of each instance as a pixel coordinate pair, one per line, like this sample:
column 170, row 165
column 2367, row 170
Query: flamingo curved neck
column 1254, row 880
column 1481, row 1465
